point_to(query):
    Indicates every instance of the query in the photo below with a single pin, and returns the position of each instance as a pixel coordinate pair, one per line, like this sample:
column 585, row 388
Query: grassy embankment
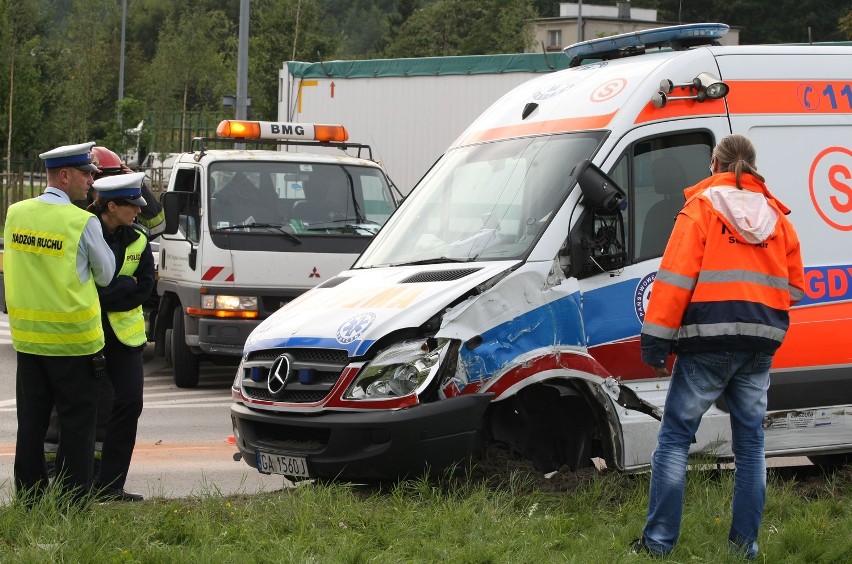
column 808, row 519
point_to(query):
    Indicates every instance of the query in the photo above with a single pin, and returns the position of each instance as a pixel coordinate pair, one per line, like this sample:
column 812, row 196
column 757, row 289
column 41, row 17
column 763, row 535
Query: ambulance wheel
column 546, row 424
column 184, row 361
column 831, row 462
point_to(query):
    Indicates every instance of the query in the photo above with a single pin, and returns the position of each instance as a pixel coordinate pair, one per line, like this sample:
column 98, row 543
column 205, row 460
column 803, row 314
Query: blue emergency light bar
column 678, row 37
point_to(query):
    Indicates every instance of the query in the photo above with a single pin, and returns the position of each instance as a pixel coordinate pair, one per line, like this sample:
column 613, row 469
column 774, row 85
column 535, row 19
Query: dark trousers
column 125, row 370
column 69, row 383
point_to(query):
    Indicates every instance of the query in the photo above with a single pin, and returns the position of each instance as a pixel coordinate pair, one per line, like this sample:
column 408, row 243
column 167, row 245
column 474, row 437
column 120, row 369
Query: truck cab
column 501, row 305
column 249, row 230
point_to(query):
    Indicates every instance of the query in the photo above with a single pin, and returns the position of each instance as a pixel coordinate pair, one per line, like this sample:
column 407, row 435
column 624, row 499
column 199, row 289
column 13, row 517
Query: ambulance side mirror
column 596, row 242
column 599, row 191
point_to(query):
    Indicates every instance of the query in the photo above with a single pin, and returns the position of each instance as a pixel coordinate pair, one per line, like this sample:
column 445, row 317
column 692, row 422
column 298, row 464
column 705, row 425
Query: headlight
column 397, row 371
column 218, row 305
column 233, row 303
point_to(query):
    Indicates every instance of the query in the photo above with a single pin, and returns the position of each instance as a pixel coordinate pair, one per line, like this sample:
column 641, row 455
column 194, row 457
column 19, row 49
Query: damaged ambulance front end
column 459, row 329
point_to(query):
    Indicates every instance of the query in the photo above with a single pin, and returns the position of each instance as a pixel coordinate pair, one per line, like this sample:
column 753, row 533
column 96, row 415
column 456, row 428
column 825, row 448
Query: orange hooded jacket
column 730, row 272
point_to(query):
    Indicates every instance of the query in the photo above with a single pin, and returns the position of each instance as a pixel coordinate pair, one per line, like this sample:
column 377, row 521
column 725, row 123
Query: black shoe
column 638, row 546
column 117, row 494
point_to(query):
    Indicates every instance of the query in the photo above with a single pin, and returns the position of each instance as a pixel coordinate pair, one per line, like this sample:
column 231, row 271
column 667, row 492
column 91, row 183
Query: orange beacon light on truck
column 237, row 129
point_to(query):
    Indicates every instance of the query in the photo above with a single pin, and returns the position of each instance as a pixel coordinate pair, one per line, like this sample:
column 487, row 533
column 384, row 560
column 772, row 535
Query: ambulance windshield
column 482, row 202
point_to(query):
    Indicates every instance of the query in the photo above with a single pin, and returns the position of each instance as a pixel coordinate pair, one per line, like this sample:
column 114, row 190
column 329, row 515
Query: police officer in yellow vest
column 54, row 257
column 117, row 204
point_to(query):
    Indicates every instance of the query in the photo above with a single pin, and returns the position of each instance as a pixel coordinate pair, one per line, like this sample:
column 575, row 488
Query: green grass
column 453, row 521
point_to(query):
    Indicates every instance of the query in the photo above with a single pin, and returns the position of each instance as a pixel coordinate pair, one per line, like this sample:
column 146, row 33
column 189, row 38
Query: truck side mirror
column 171, row 209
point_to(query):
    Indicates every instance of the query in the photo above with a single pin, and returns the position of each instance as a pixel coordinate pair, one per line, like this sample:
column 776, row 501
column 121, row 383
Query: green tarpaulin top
column 432, row 66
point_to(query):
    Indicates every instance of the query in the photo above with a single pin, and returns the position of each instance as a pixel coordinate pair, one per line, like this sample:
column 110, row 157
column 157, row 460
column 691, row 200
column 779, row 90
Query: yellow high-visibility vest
column 129, row 326
column 51, row 312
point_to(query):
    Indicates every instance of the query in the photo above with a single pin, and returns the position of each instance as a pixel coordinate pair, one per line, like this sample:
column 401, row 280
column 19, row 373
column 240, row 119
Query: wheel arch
column 571, row 387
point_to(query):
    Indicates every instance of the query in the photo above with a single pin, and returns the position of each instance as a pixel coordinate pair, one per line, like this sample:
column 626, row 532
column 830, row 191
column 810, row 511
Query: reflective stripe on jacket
column 51, row 312
column 129, row 326
column 730, row 272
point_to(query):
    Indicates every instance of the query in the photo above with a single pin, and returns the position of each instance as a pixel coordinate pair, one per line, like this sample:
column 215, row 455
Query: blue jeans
column 698, row 379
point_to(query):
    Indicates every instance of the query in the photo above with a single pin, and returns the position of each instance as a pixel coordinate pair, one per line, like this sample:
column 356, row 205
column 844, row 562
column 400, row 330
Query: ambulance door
column 653, row 165
column 803, row 151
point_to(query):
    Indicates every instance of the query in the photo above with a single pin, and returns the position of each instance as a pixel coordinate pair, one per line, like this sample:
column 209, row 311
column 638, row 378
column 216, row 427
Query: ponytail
column 735, row 153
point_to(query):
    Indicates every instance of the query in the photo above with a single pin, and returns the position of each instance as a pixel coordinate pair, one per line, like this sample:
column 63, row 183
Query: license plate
column 268, row 463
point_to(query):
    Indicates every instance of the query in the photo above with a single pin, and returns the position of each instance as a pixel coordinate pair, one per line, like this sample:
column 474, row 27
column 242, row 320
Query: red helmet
column 108, row 163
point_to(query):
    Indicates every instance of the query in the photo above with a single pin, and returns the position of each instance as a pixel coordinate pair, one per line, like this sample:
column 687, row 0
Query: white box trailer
column 408, row 110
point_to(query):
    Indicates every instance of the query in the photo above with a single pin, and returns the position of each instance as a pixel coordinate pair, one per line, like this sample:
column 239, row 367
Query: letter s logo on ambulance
column 830, row 184
column 607, row 90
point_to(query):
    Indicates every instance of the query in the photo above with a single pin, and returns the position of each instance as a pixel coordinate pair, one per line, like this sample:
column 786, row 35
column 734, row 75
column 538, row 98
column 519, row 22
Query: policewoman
column 152, row 217
column 117, row 204
column 54, row 257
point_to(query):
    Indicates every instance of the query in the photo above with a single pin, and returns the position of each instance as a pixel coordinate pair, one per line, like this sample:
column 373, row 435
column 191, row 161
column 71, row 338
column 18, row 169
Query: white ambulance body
column 501, row 305
column 248, row 230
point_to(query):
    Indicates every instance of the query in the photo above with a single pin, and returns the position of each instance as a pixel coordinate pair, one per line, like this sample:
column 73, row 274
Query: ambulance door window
column 620, row 174
column 662, row 167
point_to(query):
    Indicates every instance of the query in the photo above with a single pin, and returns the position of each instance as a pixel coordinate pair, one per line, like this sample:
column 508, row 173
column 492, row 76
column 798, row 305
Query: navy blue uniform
column 124, row 364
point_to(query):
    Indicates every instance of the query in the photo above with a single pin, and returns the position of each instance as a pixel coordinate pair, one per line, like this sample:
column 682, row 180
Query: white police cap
column 76, row 156
column 122, row 187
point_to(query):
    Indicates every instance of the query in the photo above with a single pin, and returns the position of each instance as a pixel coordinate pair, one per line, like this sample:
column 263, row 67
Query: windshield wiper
column 436, row 260
column 352, row 221
column 278, row 228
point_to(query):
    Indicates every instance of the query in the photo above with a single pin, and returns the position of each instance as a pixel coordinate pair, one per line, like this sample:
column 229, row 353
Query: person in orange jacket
column 720, row 301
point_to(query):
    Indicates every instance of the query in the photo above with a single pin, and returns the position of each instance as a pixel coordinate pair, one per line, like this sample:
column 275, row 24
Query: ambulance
column 249, row 230
column 500, row 306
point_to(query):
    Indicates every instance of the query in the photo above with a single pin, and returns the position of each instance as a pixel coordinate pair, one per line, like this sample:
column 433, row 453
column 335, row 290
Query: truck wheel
column 167, row 347
column 184, row 361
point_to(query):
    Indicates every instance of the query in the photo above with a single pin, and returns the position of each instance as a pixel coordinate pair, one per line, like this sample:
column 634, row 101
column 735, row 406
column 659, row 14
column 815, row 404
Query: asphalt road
column 182, row 446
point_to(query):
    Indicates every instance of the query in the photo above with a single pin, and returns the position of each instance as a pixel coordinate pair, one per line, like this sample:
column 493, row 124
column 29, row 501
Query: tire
column 167, row 348
column 831, row 462
column 547, row 428
column 184, row 361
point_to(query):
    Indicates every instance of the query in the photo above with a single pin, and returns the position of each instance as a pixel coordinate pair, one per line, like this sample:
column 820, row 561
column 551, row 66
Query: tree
column 81, row 71
column 846, row 25
column 465, row 27
column 190, row 72
column 282, row 31
column 20, row 22
column 364, row 27
column 790, row 22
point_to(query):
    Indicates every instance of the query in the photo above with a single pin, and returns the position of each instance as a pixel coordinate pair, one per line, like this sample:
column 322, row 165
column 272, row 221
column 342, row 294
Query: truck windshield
column 303, row 199
column 482, row 202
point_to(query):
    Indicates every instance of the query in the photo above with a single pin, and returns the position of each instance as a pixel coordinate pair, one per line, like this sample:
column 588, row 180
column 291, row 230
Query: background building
column 580, row 22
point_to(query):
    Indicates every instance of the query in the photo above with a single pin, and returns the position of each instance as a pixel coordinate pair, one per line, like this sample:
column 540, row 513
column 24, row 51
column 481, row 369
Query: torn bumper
column 366, row 445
